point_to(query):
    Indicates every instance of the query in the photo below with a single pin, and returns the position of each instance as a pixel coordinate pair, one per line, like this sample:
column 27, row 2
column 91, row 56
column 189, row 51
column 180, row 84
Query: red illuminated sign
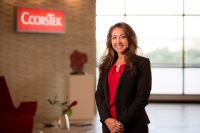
column 31, row 19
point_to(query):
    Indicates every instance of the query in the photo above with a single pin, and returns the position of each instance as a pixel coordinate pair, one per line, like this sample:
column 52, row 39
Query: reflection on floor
column 170, row 118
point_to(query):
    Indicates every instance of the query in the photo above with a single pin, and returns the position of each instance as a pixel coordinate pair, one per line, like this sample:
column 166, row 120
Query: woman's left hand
column 118, row 128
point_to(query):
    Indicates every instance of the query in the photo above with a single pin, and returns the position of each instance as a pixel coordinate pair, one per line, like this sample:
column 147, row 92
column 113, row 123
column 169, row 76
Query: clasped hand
column 114, row 125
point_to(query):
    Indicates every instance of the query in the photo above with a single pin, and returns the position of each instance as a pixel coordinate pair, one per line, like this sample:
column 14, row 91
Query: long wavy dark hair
column 110, row 55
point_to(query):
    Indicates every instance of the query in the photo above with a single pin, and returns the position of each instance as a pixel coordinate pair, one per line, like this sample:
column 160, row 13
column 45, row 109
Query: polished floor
column 170, row 118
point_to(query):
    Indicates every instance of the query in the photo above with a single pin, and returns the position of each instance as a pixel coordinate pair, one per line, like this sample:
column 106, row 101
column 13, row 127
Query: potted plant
column 66, row 110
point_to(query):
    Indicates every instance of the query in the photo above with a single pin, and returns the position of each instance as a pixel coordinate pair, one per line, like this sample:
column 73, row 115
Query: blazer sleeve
column 100, row 97
column 143, row 92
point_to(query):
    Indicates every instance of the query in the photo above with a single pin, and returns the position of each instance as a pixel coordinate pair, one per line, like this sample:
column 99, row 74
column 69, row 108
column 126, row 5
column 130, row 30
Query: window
column 168, row 34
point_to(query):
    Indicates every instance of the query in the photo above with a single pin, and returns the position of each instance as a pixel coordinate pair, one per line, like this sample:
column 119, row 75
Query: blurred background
column 37, row 65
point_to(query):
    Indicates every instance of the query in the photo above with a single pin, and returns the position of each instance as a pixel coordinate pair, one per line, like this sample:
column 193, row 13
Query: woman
column 124, row 83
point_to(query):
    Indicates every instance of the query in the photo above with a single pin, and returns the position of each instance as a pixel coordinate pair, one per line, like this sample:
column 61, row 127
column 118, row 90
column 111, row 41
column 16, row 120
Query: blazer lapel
column 105, row 87
column 105, row 83
column 125, row 72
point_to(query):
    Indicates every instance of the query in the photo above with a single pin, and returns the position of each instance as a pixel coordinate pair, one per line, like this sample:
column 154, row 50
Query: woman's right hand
column 114, row 125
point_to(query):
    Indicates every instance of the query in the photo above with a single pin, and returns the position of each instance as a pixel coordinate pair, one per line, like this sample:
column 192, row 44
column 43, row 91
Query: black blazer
column 132, row 96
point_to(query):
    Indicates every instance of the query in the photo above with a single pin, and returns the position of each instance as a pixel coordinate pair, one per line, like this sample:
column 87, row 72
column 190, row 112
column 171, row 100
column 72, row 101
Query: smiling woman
column 119, row 40
column 124, row 83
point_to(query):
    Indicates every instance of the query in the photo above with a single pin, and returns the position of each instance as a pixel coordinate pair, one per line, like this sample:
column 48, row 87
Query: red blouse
column 113, row 80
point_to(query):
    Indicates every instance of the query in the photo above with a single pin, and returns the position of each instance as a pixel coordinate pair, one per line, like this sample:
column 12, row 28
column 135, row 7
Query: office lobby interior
column 41, row 42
